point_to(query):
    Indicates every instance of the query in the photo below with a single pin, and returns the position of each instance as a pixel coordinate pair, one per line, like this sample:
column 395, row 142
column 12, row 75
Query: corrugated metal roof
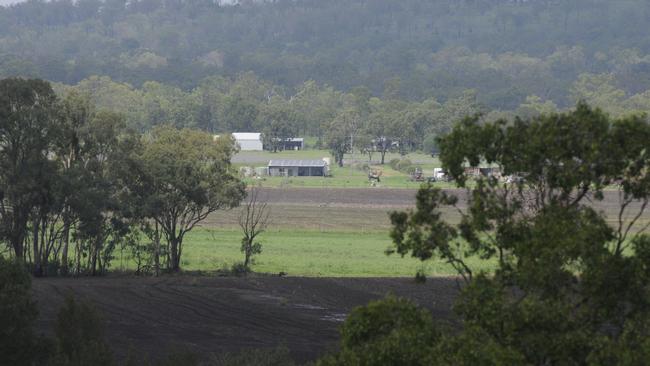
column 292, row 163
column 246, row 135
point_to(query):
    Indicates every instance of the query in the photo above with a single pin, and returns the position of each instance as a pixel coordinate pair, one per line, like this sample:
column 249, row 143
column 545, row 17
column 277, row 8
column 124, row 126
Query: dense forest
column 505, row 50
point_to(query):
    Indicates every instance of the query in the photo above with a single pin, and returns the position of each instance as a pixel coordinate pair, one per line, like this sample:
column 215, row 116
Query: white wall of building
column 248, row 141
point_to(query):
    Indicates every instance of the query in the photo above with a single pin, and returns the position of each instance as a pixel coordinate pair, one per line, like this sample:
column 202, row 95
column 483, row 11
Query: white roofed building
column 248, row 141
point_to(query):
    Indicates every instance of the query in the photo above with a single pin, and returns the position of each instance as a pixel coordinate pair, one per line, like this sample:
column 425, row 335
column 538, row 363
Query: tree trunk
column 156, row 254
column 66, row 243
column 38, row 271
column 383, row 155
column 175, row 260
column 247, row 252
column 17, row 244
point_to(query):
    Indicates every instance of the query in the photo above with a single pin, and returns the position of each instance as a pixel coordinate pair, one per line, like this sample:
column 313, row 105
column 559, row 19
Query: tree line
column 77, row 184
column 341, row 121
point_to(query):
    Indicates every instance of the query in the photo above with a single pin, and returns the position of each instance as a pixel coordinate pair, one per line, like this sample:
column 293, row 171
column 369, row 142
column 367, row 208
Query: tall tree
column 278, row 124
column 569, row 287
column 28, row 123
column 190, row 177
column 340, row 134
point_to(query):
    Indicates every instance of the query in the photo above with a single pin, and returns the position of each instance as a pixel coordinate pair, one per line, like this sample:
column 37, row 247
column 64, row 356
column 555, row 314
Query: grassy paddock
column 349, row 176
column 305, row 253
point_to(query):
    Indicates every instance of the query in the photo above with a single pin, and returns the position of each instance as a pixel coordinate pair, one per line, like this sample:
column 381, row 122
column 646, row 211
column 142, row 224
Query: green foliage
column 180, row 357
column 403, row 165
column 430, row 144
column 240, row 269
column 18, row 344
column 183, row 176
column 413, row 49
column 28, row 125
column 256, row 357
column 570, row 287
column 392, row 331
column 80, row 336
column 339, row 134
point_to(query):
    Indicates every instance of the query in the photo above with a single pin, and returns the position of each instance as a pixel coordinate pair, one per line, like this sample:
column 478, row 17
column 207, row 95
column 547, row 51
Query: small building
column 297, row 143
column 298, row 168
column 248, row 141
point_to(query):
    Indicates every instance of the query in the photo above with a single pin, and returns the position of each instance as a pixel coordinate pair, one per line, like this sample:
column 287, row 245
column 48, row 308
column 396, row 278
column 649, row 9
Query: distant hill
column 412, row 49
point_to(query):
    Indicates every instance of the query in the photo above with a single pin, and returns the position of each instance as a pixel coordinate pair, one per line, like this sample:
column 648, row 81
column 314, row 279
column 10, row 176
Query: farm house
column 297, row 168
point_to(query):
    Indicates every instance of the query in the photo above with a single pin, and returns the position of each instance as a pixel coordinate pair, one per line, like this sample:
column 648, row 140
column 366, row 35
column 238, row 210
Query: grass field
column 306, row 253
column 350, row 176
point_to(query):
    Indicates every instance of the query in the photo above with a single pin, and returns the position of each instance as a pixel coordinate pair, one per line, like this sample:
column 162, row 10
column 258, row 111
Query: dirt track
column 212, row 315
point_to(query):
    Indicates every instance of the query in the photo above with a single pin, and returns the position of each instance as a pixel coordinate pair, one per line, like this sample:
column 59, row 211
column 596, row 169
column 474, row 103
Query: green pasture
column 304, row 253
column 352, row 175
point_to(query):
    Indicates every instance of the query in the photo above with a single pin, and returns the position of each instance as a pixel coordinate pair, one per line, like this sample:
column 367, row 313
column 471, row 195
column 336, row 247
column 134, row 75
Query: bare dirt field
column 365, row 208
column 223, row 314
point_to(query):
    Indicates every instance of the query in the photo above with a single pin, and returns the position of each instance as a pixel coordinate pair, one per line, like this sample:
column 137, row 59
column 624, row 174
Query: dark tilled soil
column 212, row 315
column 398, row 197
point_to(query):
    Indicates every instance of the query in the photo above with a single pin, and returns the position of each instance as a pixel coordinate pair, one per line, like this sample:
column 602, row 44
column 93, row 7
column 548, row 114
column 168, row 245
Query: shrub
column 392, row 331
column 80, row 336
column 239, row 269
column 394, row 163
column 180, row 357
column 402, row 165
column 258, row 357
column 17, row 315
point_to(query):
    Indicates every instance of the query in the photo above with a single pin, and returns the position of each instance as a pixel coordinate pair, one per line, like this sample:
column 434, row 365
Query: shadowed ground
column 211, row 315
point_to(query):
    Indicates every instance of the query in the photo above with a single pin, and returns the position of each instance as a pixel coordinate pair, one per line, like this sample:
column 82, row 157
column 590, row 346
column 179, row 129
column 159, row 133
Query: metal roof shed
column 299, row 168
column 248, row 141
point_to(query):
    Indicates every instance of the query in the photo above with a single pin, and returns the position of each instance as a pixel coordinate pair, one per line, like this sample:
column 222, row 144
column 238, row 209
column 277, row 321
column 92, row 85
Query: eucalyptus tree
column 28, row 125
column 340, row 132
column 278, row 123
column 189, row 176
column 569, row 286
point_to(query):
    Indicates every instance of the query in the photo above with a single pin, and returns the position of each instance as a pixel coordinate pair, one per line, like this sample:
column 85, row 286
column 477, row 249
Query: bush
column 402, row 165
column 239, row 269
column 17, row 315
column 392, row 331
column 258, row 357
column 394, row 163
column 80, row 336
column 180, row 357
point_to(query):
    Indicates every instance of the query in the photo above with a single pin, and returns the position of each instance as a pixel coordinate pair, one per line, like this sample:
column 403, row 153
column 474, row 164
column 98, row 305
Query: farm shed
column 248, row 141
column 297, row 143
column 297, row 168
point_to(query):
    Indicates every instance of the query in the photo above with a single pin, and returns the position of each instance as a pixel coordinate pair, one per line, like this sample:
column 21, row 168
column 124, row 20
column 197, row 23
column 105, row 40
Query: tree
column 185, row 176
column 581, row 284
column 339, row 134
column 28, row 119
column 569, row 287
column 391, row 331
column 278, row 122
column 253, row 220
